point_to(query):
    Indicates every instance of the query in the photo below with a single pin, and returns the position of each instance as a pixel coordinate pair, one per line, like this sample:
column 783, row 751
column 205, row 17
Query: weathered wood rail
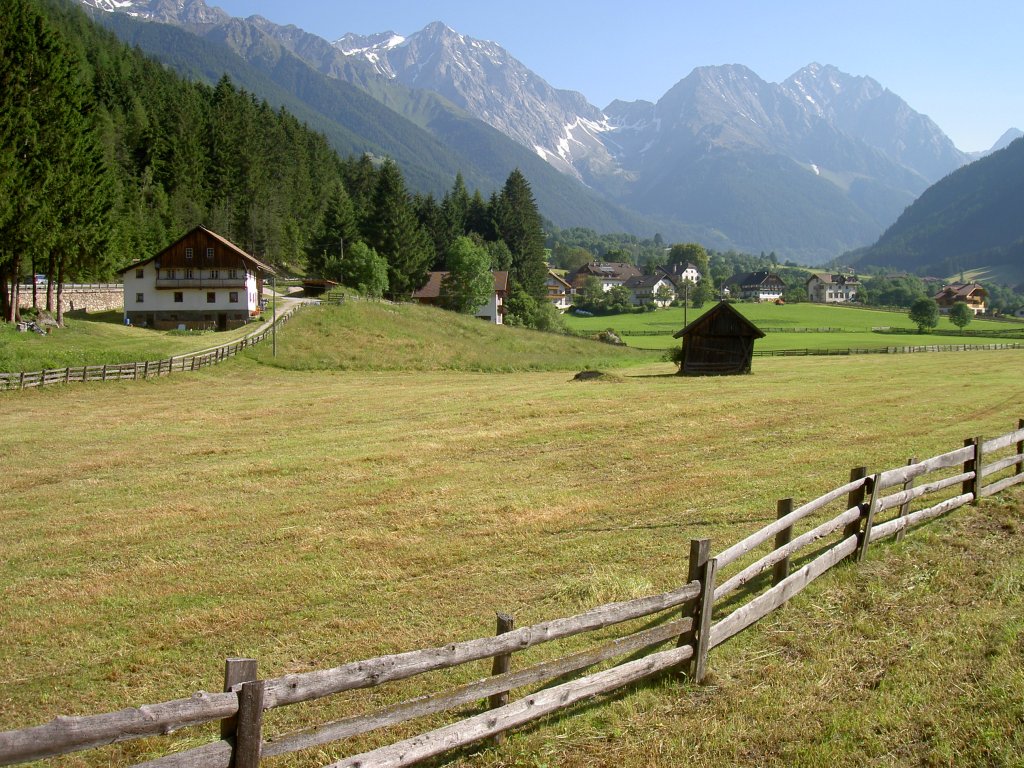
column 872, row 507
column 192, row 361
column 891, row 350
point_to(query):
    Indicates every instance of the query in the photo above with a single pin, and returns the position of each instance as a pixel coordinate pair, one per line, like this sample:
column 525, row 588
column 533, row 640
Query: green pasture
column 796, row 326
column 314, row 511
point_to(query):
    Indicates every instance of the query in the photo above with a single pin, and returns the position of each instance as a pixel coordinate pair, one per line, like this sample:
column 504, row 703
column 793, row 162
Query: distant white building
column 681, row 273
column 609, row 273
column 657, row 289
column 559, row 291
column 201, row 281
column 823, row 288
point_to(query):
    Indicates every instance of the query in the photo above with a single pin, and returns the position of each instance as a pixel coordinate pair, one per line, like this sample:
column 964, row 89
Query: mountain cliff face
column 485, row 80
column 810, row 167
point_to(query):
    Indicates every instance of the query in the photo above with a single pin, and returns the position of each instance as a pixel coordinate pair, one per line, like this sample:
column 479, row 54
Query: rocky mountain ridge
column 812, row 166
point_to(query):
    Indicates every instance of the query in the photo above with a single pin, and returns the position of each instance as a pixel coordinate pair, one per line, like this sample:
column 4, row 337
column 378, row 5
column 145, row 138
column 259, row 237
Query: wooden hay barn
column 719, row 343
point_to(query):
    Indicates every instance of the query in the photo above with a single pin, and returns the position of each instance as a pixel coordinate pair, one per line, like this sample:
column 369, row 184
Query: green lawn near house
column 100, row 338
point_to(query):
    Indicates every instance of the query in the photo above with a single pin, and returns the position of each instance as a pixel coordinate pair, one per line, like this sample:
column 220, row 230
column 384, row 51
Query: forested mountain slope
column 972, row 219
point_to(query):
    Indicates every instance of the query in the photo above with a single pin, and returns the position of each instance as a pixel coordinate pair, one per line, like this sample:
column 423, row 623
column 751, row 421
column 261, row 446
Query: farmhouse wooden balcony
column 197, row 282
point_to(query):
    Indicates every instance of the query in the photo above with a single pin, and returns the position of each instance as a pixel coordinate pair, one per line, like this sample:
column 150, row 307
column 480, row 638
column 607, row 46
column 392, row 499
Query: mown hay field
column 309, row 518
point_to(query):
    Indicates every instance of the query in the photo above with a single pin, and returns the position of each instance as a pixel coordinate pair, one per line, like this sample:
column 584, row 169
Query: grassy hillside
column 99, row 338
column 312, row 518
column 375, row 336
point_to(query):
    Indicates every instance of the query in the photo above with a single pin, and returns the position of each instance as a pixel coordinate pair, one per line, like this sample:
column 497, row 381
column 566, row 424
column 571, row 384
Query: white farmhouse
column 824, row 288
column 201, row 281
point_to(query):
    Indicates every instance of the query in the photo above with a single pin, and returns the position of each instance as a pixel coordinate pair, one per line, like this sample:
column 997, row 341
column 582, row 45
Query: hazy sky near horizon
column 959, row 63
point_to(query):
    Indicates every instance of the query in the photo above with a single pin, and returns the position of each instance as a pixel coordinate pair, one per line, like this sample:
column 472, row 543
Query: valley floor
column 310, row 518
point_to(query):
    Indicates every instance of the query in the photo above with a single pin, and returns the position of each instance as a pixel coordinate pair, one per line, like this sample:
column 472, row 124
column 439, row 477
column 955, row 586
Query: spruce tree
column 518, row 223
column 394, row 232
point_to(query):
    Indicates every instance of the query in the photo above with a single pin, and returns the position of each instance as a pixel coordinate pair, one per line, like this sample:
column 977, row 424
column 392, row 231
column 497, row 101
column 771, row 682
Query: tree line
column 108, row 157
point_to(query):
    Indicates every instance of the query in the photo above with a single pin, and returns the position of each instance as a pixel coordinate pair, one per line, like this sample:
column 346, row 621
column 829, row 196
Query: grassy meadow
column 798, row 326
column 333, row 506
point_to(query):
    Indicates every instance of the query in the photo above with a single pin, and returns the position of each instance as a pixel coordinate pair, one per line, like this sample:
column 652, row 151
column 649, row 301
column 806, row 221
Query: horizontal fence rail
column 866, row 509
column 899, row 350
column 192, row 361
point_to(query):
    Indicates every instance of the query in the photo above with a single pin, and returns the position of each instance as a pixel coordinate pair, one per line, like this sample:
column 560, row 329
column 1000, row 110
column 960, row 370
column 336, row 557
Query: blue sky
column 960, row 63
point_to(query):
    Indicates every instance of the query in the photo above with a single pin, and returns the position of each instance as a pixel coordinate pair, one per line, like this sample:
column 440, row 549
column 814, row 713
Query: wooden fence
column 193, row 361
column 885, row 350
column 871, row 507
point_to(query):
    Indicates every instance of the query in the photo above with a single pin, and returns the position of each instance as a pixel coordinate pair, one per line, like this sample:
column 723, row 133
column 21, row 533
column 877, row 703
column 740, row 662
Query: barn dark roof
column 725, row 315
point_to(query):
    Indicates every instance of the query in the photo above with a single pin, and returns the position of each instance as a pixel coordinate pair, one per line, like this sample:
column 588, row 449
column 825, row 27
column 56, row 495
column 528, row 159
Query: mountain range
column 811, row 167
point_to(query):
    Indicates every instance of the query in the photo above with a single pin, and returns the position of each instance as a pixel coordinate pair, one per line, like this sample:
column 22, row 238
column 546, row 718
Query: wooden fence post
column 905, row 506
column 235, row 671
column 501, row 664
column 702, row 569
column 855, row 499
column 867, row 515
column 1020, row 449
column 973, row 464
column 249, row 733
column 782, row 538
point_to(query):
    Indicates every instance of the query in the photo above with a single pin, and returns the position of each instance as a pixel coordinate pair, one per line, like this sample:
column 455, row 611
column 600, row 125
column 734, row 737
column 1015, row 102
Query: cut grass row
column 307, row 520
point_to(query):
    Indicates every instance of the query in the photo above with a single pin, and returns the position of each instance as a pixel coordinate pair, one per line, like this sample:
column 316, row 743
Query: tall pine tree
column 518, row 223
column 394, row 232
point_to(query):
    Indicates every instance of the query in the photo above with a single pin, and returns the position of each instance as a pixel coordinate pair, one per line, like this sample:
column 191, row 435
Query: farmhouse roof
column 714, row 315
column 613, row 270
column 259, row 265
column 645, row 281
column 432, row 288
column 835, row 279
column 761, row 277
column 552, row 275
column 961, row 290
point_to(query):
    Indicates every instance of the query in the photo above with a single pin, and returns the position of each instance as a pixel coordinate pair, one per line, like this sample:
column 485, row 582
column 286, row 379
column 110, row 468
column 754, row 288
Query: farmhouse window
column 138, row 298
column 214, row 274
column 179, row 297
column 188, row 274
column 233, row 297
column 232, row 274
column 188, row 253
column 140, row 273
column 211, row 297
column 209, row 253
column 170, row 274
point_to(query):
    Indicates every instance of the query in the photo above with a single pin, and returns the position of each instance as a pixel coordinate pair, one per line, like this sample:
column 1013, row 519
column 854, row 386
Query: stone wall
column 100, row 297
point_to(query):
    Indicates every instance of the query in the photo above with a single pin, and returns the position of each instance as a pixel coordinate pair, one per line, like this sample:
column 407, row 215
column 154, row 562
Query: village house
column 972, row 294
column 824, row 288
column 559, row 291
column 201, row 281
column 680, row 273
column 759, row 286
column 493, row 311
column 609, row 273
column 658, row 290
